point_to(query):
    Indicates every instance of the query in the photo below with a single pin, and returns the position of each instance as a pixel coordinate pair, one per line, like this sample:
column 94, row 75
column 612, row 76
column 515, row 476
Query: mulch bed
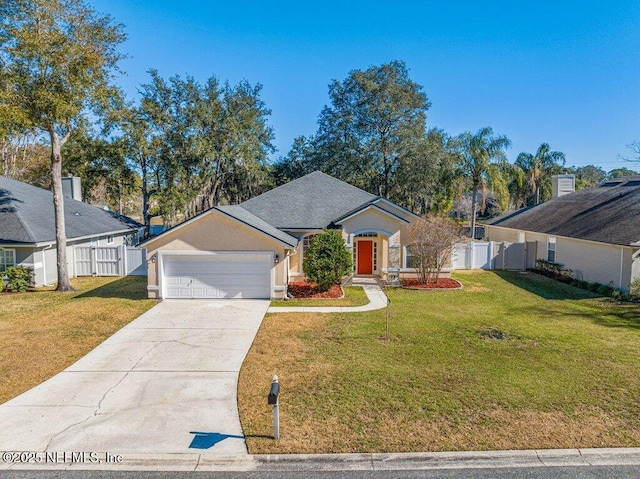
column 442, row 283
column 310, row 290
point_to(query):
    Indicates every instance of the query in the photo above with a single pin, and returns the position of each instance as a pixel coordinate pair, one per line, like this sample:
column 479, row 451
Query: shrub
column 634, row 289
column 327, row 259
column 18, row 278
column 556, row 271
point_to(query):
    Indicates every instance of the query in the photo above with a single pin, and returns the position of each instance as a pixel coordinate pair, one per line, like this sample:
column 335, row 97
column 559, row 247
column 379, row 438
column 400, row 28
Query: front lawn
column 512, row 361
column 43, row 332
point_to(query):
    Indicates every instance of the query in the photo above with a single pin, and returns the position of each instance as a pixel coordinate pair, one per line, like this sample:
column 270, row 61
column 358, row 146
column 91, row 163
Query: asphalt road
column 562, row 472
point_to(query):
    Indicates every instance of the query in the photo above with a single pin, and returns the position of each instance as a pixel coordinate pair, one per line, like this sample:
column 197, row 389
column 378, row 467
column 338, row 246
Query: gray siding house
column 595, row 232
column 27, row 230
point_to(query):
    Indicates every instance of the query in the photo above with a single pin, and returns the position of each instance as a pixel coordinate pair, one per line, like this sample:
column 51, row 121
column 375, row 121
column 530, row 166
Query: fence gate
column 98, row 261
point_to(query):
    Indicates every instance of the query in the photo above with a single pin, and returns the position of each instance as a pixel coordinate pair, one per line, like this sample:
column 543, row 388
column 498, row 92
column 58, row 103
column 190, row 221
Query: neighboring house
column 255, row 249
column 28, row 235
column 594, row 232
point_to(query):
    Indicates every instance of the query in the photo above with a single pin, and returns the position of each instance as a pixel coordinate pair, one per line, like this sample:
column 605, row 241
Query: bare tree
column 432, row 240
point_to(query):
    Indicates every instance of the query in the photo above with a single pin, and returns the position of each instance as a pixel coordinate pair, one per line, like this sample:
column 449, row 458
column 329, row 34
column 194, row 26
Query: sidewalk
column 377, row 300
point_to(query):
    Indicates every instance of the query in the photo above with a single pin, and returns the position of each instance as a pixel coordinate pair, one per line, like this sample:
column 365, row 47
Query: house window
column 367, row 235
column 7, row 258
column 409, row 258
column 110, row 239
column 551, row 250
column 306, row 241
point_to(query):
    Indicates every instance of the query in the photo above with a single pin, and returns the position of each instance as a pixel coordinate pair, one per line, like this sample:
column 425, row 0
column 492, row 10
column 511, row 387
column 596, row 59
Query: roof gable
column 239, row 214
column 27, row 216
column 311, row 202
column 607, row 213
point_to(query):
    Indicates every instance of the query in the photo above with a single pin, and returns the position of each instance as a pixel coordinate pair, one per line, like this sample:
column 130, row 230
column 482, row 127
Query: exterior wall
column 371, row 220
column 214, row 232
column 43, row 259
column 589, row 260
column 593, row 262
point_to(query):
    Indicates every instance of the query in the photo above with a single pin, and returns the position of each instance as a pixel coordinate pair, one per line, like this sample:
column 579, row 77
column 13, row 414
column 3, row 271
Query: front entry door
column 365, row 257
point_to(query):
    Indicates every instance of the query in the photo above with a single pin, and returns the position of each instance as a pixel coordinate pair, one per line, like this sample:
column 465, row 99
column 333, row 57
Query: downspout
column 621, row 265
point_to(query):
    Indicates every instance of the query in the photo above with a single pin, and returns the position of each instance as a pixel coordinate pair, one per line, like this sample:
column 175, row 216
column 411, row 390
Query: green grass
column 43, row 331
column 564, row 374
column 353, row 296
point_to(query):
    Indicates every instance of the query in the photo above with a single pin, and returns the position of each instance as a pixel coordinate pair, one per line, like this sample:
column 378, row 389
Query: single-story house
column 28, row 235
column 595, row 232
column 255, row 249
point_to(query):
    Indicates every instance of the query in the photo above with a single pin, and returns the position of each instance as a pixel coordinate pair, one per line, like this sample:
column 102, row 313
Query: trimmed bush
column 327, row 259
column 18, row 279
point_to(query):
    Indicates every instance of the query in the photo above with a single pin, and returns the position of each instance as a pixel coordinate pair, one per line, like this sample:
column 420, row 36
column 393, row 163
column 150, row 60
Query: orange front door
column 365, row 257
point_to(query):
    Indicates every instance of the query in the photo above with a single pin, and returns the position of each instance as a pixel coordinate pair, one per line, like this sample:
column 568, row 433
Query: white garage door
column 224, row 275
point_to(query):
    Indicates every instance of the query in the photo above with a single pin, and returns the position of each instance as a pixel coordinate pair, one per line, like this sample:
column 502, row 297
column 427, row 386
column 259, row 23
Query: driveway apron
column 165, row 383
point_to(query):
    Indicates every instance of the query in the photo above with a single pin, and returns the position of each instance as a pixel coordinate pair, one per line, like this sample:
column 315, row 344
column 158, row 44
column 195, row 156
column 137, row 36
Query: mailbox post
column 272, row 400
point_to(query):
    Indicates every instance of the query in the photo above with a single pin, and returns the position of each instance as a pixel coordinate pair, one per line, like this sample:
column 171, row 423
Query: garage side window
column 551, row 250
column 7, row 258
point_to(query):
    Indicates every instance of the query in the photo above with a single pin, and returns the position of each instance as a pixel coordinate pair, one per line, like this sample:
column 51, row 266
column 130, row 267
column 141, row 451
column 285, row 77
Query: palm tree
column 538, row 168
column 482, row 159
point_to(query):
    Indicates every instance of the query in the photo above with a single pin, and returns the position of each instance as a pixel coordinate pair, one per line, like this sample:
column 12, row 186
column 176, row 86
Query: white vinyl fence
column 110, row 261
column 494, row 255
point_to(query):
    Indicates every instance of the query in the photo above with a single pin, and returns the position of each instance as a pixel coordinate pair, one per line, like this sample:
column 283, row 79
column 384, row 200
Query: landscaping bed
column 305, row 290
column 353, row 296
column 511, row 361
column 441, row 283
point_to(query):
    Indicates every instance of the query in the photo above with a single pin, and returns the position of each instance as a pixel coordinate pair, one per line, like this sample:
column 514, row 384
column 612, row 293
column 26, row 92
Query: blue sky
column 562, row 72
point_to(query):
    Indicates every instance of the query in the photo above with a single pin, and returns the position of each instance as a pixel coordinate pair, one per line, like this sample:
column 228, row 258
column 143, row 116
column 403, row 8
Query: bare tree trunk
column 145, row 198
column 58, row 206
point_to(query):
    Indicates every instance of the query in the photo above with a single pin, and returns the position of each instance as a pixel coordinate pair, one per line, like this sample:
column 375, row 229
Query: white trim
column 162, row 253
column 392, row 204
column 372, row 206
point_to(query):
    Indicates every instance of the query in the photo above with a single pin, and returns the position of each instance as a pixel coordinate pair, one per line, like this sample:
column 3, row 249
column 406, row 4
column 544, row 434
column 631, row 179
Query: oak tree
column 58, row 60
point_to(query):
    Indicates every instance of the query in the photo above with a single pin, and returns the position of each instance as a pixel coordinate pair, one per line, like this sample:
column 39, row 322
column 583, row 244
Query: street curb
column 356, row 462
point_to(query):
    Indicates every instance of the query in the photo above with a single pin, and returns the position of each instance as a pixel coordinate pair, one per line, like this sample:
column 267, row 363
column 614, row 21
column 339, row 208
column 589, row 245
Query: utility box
column 393, row 277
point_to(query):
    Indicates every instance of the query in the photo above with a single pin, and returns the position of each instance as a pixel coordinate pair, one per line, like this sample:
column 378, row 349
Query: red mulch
column 310, row 290
column 442, row 283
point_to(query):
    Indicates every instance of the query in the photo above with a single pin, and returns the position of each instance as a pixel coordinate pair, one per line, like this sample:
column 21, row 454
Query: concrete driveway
column 165, row 383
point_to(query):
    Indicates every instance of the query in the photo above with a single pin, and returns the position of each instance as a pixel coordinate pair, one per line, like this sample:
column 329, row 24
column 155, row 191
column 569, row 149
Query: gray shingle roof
column 311, row 202
column 246, row 217
column 27, row 216
column 608, row 213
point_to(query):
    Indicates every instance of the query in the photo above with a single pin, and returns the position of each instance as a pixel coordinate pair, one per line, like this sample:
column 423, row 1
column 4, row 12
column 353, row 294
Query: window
column 551, row 250
column 7, row 258
column 409, row 258
column 367, row 235
column 306, row 241
column 110, row 239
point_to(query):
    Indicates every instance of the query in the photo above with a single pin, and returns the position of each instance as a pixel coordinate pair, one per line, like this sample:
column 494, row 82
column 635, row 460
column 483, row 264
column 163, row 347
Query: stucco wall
column 371, row 220
column 214, row 232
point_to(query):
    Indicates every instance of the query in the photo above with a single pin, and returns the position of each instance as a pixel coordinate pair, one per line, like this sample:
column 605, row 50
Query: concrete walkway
column 164, row 384
column 377, row 300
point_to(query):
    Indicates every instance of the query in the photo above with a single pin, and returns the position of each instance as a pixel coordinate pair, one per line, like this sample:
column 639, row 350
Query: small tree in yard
column 327, row 259
column 432, row 240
